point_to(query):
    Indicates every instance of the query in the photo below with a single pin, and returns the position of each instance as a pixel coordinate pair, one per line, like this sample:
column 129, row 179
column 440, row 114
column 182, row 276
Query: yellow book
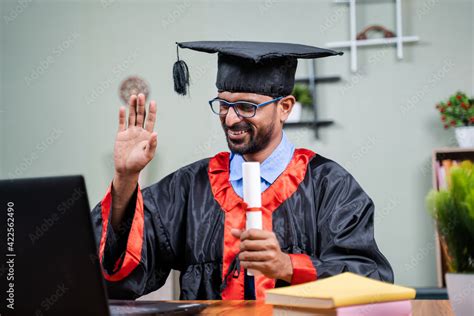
column 340, row 290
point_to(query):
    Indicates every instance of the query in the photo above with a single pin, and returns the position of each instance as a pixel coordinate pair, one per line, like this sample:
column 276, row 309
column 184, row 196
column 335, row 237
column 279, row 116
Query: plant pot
column 295, row 115
column 465, row 136
column 461, row 292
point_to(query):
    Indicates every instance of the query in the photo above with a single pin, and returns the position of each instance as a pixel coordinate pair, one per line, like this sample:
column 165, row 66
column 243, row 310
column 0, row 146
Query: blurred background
column 62, row 64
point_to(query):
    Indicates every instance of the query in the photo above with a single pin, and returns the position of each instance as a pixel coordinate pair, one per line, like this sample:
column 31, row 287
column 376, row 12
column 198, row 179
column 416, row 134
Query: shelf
column 363, row 1
column 352, row 44
column 450, row 150
column 453, row 154
column 318, row 80
column 373, row 42
column 312, row 80
column 309, row 124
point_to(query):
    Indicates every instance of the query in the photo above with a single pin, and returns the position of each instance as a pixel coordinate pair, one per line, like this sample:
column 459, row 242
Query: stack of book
column 443, row 170
column 344, row 294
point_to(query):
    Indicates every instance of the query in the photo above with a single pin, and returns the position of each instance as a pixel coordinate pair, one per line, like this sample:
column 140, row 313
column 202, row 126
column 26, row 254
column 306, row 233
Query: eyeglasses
column 242, row 108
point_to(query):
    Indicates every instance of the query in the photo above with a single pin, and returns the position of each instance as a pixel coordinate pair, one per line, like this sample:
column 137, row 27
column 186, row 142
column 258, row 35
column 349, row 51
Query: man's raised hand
column 135, row 143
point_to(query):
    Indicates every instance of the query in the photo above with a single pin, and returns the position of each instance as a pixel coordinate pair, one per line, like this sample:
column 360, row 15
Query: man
column 317, row 221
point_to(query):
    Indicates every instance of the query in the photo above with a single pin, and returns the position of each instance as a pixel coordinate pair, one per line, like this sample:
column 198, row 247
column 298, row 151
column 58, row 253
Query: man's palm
column 135, row 145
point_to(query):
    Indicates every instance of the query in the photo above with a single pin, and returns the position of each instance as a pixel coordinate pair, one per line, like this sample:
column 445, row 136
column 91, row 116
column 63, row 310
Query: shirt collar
column 271, row 167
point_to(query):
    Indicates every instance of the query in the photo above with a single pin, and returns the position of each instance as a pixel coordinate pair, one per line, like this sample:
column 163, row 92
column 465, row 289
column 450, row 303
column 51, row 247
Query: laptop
column 48, row 255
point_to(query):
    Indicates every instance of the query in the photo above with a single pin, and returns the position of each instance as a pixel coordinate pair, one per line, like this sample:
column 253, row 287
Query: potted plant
column 458, row 112
column 303, row 98
column 453, row 210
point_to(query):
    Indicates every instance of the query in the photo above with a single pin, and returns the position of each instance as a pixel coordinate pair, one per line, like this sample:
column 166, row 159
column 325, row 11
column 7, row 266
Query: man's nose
column 231, row 118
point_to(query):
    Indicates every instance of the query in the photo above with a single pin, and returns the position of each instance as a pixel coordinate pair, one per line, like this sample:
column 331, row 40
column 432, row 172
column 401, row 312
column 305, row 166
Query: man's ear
column 285, row 106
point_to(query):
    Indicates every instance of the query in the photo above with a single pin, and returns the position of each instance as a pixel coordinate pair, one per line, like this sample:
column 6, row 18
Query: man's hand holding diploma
column 260, row 250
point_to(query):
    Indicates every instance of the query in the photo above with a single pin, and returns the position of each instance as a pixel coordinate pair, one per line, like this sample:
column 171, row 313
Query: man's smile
column 237, row 135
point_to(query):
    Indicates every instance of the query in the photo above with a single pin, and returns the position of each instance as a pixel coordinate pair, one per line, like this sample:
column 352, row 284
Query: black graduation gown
column 319, row 213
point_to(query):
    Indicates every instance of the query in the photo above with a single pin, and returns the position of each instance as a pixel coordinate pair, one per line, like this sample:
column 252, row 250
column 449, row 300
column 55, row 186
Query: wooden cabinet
column 440, row 154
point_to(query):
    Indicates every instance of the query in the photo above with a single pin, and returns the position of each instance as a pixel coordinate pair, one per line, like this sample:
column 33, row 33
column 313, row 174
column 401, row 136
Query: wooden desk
column 244, row 308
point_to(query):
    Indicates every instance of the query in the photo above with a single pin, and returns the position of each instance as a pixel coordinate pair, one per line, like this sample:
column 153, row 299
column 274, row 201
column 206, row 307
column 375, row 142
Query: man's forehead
column 243, row 96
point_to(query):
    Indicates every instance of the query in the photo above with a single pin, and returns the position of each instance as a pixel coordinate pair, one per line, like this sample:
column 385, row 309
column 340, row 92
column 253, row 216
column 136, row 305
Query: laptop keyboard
column 132, row 310
column 154, row 308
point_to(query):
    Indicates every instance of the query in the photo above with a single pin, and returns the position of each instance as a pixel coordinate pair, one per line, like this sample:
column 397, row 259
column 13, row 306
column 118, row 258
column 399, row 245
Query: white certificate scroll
column 252, row 197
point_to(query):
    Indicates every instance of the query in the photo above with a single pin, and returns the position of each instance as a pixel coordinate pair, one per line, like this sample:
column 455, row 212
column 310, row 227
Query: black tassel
column 180, row 76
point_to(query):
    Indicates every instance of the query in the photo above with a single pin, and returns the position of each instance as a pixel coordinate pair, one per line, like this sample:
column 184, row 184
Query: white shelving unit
column 353, row 43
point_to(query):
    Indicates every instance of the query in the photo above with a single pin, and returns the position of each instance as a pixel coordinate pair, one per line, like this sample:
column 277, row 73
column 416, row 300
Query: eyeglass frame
column 232, row 105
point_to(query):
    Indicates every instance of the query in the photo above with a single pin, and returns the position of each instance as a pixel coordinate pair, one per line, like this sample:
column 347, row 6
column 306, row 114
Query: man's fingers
column 257, row 255
column 255, row 234
column 236, row 232
column 151, row 117
column 256, row 245
column 140, row 110
column 132, row 110
column 255, row 265
column 121, row 126
column 151, row 146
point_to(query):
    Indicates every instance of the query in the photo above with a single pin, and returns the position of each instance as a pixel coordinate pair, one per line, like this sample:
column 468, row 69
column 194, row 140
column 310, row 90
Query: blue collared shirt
column 270, row 168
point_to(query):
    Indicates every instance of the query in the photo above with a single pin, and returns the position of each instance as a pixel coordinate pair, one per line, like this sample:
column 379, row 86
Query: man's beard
column 256, row 143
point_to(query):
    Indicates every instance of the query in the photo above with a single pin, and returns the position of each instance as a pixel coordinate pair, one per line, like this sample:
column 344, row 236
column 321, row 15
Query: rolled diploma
column 252, row 197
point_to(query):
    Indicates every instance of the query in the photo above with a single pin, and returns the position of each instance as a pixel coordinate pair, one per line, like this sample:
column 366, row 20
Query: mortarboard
column 259, row 67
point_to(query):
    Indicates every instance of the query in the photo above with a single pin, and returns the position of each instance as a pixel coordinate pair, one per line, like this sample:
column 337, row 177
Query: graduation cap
column 258, row 67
